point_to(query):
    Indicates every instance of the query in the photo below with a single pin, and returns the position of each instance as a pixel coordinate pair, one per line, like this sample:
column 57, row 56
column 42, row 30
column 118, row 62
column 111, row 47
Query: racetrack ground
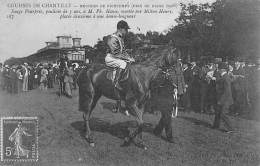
column 61, row 139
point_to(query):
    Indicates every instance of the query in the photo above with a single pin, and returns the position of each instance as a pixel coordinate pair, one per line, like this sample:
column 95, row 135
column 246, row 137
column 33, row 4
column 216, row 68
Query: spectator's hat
column 193, row 63
column 218, row 60
column 45, row 65
column 222, row 65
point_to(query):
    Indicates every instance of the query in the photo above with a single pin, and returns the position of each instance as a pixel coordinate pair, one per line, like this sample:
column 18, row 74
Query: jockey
column 117, row 56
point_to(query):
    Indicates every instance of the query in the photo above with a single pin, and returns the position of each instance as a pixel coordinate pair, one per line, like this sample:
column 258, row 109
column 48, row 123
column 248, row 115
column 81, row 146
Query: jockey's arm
column 113, row 45
column 115, row 50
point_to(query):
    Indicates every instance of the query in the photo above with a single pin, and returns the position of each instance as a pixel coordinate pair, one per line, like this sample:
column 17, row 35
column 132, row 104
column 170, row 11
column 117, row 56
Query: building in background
column 65, row 45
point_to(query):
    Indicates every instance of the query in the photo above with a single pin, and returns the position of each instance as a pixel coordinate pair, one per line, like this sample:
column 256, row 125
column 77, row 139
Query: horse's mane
column 161, row 56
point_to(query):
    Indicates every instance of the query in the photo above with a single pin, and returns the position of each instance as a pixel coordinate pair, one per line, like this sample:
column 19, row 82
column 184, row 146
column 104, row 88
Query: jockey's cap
column 122, row 25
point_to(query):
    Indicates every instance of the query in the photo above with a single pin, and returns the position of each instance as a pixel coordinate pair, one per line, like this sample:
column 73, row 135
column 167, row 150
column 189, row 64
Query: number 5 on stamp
column 19, row 139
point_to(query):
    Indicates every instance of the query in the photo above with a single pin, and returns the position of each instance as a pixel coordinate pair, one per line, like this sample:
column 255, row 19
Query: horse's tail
column 86, row 90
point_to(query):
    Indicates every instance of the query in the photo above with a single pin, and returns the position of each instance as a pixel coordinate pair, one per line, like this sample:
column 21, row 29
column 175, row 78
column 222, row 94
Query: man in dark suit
column 13, row 81
column 50, row 76
column 187, row 73
column 5, row 74
column 239, row 90
column 224, row 98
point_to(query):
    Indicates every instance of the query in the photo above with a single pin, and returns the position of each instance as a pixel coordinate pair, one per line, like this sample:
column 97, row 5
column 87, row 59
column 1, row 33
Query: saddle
column 111, row 73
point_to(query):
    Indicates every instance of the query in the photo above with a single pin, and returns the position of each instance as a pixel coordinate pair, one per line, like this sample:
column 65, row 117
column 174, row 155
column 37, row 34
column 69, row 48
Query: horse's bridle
column 166, row 75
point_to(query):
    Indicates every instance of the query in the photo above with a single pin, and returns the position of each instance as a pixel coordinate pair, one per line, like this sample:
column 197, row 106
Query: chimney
column 64, row 41
column 48, row 43
column 76, row 42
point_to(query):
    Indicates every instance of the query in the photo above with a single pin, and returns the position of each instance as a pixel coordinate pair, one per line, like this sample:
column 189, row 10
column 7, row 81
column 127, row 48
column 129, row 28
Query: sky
column 25, row 34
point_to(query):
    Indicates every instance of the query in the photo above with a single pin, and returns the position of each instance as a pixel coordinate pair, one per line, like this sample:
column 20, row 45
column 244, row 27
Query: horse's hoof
column 114, row 110
column 90, row 140
column 173, row 115
column 92, row 144
column 127, row 142
column 127, row 113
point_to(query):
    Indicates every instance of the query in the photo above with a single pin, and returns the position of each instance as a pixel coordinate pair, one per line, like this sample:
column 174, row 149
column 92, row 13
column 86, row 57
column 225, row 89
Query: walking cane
column 175, row 98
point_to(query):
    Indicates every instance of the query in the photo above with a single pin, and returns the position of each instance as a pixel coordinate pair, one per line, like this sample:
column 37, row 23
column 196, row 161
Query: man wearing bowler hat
column 224, row 98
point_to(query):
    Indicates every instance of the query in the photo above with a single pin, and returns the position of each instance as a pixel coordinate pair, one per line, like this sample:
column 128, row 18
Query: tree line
column 227, row 29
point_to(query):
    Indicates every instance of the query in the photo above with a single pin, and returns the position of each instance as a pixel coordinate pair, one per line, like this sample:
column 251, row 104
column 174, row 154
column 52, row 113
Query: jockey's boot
column 117, row 78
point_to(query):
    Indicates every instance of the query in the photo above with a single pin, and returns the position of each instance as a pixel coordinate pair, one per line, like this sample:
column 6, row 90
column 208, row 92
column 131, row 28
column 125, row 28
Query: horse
column 140, row 79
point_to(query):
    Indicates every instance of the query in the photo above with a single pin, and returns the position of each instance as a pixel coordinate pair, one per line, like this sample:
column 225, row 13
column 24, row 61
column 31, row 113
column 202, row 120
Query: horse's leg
column 88, row 97
column 86, row 116
column 137, row 133
column 63, row 87
column 118, row 106
column 159, row 127
column 60, row 87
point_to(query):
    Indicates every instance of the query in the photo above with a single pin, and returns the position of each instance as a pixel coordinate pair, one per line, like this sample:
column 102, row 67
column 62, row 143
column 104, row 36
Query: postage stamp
column 19, row 139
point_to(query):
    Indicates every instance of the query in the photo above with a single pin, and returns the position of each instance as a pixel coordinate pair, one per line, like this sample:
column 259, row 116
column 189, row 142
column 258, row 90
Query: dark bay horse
column 142, row 78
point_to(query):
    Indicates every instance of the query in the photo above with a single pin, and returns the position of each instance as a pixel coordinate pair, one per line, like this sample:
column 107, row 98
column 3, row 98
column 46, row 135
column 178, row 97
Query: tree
column 236, row 26
column 228, row 29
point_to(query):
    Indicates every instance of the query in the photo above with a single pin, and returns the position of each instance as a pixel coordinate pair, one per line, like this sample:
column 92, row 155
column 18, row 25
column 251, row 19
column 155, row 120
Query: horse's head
column 172, row 56
column 169, row 58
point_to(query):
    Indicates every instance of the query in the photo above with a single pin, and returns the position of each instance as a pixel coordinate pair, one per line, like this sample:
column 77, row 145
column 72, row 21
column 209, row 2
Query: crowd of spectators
column 198, row 90
column 196, row 82
column 22, row 78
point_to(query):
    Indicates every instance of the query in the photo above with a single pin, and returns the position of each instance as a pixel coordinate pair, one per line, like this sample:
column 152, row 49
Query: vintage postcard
column 129, row 82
